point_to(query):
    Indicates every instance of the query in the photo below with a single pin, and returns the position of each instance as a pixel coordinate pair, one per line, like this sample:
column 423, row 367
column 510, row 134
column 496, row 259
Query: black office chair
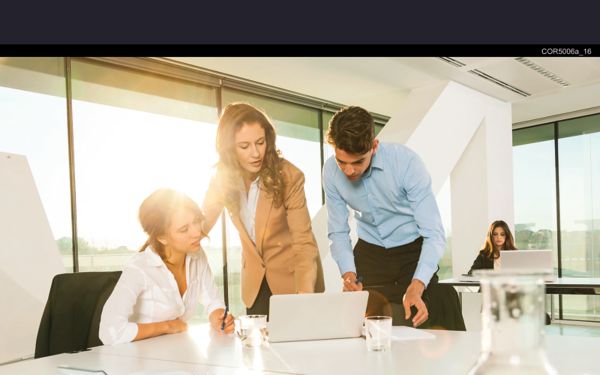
column 71, row 318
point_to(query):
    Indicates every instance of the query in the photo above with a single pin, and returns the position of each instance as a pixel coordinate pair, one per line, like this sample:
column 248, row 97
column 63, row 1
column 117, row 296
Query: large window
column 33, row 122
column 565, row 152
column 579, row 170
column 534, row 188
column 134, row 133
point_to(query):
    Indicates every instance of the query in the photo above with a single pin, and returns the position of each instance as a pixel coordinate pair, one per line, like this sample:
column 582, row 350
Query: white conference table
column 201, row 351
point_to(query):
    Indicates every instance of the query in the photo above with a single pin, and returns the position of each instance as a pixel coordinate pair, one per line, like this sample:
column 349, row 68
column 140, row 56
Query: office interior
column 511, row 138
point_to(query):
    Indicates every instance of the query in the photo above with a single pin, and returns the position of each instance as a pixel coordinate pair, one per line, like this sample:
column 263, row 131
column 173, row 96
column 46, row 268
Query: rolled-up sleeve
column 115, row 327
column 427, row 217
column 338, row 230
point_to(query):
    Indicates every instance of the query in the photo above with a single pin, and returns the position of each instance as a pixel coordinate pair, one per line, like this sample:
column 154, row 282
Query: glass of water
column 378, row 331
column 253, row 330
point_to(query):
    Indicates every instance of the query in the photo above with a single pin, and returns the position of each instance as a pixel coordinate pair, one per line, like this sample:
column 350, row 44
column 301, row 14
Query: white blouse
column 147, row 293
column 248, row 207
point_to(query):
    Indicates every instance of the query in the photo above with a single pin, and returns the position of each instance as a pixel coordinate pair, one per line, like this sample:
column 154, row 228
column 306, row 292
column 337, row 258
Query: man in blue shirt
column 401, row 237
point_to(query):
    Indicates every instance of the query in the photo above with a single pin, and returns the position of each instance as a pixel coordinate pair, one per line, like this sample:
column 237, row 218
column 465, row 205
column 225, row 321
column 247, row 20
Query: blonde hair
column 156, row 212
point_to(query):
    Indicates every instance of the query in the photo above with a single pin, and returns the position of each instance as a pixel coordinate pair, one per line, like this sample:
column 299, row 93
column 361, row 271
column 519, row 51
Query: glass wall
column 534, row 188
column 575, row 164
column 579, row 167
column 134, row 133
column 33, row 122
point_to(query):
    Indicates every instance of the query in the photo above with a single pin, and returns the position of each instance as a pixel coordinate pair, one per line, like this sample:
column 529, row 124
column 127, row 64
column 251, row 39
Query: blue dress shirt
column 393, row 205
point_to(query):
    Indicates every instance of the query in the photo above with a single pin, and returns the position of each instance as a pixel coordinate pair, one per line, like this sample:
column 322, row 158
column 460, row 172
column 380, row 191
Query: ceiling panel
column 576, row 71
column 520, row 76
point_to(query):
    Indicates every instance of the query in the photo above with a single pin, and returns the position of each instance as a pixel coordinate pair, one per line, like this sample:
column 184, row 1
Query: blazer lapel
column 263, row 210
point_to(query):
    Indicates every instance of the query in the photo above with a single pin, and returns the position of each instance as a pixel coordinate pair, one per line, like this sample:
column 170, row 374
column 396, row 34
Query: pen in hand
column 356, row 281
column 352, row 284
column 224, row 317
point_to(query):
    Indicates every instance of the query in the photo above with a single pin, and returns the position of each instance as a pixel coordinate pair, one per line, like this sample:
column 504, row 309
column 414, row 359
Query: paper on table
column 409, row 333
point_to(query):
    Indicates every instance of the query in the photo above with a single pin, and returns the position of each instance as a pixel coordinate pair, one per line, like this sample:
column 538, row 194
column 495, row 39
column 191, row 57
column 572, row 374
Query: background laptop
column 316, row 316
column 538, row 260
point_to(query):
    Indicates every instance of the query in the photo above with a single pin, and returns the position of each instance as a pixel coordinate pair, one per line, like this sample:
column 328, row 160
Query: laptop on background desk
column 521, row 260
column 535, row 260
column 316, row 316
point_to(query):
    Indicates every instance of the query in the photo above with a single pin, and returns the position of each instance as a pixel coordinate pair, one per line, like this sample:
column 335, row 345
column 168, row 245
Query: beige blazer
column 286, row 251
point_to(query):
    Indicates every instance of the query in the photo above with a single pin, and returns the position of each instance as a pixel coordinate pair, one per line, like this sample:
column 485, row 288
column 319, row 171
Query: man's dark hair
column 352, row 129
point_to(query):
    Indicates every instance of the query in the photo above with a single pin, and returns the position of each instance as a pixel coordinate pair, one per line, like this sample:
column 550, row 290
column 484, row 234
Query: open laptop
column 535, row 260
column 316, row 316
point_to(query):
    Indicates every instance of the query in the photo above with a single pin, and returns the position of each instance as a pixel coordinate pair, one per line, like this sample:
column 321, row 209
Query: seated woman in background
column 160, row 286
column 498, row 238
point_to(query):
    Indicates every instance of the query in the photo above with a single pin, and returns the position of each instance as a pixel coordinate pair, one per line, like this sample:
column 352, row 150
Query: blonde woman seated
column 160, row 286
column 498, row 238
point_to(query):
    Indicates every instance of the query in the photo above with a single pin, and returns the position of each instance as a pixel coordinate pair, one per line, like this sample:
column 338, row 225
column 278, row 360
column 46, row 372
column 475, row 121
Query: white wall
column 29, row 258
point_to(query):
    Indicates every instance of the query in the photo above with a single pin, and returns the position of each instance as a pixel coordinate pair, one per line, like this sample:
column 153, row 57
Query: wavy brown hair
column 156, row 212
column 229, row 171
column 352, row 129
column 488, row 247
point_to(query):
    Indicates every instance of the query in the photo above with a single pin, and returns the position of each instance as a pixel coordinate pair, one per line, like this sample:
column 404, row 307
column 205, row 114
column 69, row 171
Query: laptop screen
column 526, row 259
column 316, row 316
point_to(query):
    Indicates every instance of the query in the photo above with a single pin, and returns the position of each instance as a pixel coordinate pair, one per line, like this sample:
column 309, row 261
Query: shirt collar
column 376, row 162
column 152, row 258
column 155, row 260
column 255, row 182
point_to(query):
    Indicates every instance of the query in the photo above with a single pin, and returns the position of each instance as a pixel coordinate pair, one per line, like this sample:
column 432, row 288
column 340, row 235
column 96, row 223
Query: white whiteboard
column 29, row 258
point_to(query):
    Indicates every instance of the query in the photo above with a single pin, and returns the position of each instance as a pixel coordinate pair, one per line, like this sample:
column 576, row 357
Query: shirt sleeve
column 115, row 327
column 210, row 296
column 338, row 229
column 427, row 217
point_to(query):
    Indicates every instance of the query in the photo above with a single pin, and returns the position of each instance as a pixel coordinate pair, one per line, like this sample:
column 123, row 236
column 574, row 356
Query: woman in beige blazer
column 264, row 196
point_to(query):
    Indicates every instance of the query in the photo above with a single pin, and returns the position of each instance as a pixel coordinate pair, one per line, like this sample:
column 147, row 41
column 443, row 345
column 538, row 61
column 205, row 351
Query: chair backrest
column 72, row 314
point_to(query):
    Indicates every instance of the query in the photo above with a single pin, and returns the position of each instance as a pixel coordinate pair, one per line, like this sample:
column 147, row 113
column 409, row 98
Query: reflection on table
column 202, row 351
